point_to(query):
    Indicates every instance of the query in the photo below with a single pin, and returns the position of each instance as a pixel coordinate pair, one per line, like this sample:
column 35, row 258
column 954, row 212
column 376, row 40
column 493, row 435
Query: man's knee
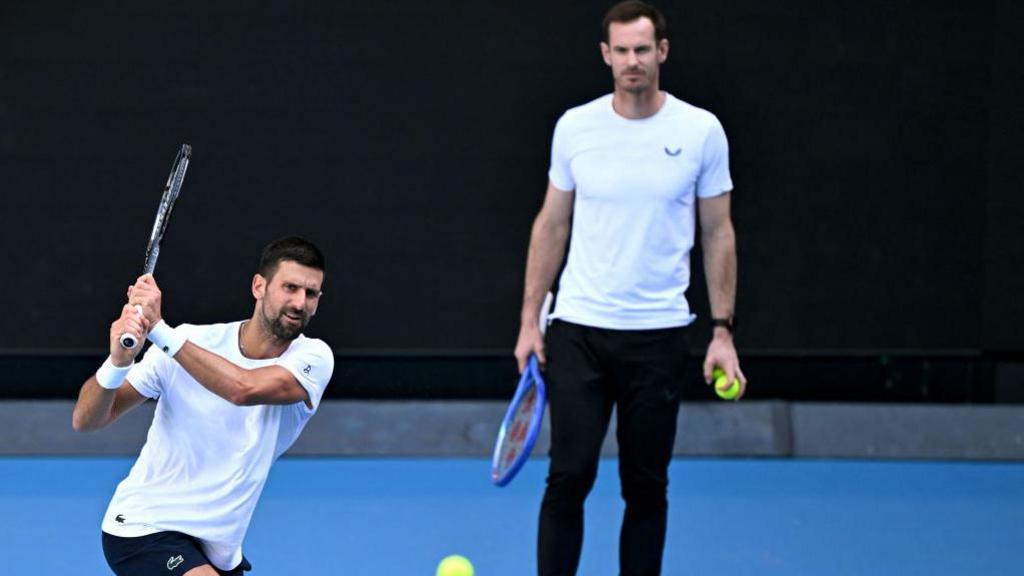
column 204, row 570
column 645, row 493
column 570, row 485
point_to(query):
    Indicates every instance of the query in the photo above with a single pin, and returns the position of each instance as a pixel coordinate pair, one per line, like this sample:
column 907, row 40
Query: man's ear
column 662, row 50
column 259, row 286
column 606, row 53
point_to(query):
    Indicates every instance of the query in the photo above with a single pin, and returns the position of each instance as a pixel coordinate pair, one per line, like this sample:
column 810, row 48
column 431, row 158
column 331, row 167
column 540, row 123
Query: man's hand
column 130, row 322
column 722, row 353
column 531, row 341
column 146, row 294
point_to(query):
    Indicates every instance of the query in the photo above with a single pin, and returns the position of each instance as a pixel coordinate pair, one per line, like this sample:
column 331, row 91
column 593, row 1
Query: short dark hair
column 293, row 249
column 632, row 10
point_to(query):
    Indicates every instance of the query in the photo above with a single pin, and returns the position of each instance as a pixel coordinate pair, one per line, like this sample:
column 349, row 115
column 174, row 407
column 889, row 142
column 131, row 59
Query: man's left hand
column 722, row 354
column 146, row 294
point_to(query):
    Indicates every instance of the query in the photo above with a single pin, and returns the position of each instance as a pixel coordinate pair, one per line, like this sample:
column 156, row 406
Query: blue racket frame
column 531, row 378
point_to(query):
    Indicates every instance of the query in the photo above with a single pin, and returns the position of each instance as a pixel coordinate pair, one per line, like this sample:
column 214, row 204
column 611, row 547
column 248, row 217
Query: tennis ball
column 722, row 388
column 455, row 565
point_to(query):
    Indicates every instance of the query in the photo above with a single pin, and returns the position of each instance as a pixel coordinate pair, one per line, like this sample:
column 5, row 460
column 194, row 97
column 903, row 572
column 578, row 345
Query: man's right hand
column 130, row 322
column 531, row 341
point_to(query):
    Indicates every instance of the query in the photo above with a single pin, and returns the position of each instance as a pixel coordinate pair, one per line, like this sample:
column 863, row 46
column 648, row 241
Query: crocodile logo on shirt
column 673, row 152
column 119, row 518
column 174, row 561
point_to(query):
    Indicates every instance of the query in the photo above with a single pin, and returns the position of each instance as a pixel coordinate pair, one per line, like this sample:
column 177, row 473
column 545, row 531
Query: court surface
column 399, row 517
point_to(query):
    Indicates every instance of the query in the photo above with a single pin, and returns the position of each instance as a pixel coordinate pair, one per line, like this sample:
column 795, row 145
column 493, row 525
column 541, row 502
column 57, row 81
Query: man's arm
column 98, row 406
column 547, row 248
column 240, row 386
column 718, row 241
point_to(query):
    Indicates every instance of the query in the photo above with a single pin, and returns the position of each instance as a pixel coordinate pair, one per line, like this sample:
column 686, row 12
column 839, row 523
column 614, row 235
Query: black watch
column 727, row 323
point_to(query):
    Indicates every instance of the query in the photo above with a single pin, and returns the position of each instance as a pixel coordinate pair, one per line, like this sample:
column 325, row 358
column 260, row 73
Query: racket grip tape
column 129, row 341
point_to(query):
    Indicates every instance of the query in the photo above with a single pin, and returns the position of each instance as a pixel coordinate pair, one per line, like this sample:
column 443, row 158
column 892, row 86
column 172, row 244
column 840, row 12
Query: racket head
column 521, row 426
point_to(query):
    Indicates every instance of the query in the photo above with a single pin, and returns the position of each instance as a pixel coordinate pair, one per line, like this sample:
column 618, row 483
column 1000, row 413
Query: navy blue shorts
column 163, row 553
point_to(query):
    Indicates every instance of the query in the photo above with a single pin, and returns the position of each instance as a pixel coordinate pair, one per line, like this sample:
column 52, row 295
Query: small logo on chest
column 174, row 561
column 673, row 152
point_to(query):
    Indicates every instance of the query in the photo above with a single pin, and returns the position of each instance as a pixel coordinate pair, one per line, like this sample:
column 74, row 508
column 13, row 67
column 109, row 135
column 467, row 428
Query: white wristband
column 110, row 376
column 166, row 338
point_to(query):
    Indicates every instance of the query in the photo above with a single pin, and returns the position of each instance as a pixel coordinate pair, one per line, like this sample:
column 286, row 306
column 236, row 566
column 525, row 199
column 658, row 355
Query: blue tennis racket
column 521, row 426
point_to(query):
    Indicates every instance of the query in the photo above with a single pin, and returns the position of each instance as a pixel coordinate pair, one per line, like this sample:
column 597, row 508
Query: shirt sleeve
column 714, row 171
column 312, row 364
column 560, row 172
column 147, row 376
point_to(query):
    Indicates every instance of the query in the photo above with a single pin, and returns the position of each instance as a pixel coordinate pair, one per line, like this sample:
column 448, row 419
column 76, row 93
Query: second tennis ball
column 455, row 565
column 725, row 391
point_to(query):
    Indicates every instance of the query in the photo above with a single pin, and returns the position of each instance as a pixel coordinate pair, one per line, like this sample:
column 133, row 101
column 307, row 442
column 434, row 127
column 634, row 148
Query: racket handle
column 129, row 341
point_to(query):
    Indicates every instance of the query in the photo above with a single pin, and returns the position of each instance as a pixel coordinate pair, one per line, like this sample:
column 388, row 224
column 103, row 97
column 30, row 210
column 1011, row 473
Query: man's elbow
column 551, row 234
column 241, row 396
column 720, row 235
column 80, row 423
column 271, row 392
column 245, row 394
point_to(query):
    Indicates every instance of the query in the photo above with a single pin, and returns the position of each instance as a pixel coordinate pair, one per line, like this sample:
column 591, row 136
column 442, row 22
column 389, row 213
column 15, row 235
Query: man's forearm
column 719, row 247
column 93, row 408
column 547, row 248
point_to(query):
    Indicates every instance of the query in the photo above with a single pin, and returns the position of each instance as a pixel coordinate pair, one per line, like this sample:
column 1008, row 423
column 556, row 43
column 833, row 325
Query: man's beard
column 282, row 331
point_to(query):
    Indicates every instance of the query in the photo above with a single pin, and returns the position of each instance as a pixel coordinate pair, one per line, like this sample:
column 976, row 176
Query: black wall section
column 873, row 149
column 1004, row 246
column 946, row 379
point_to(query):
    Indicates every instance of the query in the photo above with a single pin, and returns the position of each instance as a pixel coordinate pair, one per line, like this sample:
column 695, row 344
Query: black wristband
column 727, row 323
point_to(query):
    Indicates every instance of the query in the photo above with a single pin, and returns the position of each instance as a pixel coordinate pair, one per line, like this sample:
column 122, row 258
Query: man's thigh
column 579, row 397
column 649, row 367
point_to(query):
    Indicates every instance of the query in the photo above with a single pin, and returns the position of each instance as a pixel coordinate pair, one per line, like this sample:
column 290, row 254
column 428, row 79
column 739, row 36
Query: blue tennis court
column 401, row 516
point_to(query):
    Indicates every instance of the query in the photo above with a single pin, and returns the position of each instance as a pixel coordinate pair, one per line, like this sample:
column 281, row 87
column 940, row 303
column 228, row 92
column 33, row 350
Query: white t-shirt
column 636, row 184
column 206, row 460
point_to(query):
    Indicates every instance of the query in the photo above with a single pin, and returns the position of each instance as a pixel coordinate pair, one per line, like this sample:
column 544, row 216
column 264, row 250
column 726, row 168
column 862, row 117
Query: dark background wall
column 875, row 151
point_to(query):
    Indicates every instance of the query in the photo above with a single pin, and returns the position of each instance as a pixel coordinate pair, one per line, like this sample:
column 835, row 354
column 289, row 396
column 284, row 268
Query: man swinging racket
column 231, row 398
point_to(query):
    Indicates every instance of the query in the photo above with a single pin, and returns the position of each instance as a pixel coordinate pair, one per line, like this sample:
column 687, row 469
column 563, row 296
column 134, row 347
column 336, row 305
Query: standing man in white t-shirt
column 630, row 172
column 231, row 398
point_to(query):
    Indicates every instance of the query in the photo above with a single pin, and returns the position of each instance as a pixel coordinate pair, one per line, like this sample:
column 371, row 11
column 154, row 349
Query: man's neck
column 257, row 343
column 636, row 106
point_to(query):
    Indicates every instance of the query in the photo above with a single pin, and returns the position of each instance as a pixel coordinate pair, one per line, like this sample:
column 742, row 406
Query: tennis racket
column 163, row 215
column 521, row 425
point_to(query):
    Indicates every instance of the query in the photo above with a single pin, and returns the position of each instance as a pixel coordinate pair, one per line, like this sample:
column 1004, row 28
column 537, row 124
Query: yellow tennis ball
column 722, row 387
column 455, row 565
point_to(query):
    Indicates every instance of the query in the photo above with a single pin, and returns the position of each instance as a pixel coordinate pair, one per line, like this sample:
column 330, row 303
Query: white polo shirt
column 636, row 184
column 206, row 460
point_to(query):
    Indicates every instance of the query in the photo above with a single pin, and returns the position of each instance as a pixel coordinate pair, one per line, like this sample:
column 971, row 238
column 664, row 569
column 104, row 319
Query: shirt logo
column 119, row 518
column 307, row 369
column 673, row 152
column 174, row 561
